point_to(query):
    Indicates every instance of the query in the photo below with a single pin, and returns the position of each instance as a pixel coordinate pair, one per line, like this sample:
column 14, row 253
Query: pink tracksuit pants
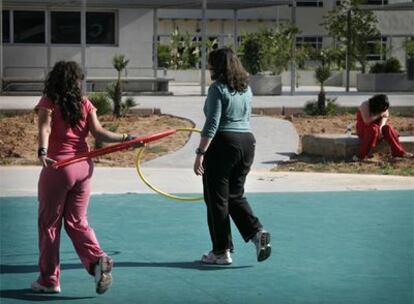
column 64, row 197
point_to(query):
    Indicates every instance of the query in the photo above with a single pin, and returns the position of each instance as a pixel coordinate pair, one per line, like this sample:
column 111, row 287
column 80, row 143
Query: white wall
column 134, row 41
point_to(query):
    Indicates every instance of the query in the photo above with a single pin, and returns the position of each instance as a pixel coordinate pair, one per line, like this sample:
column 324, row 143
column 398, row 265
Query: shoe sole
column 39, row 290
column 204, row 260
column 215, row 263
column 104, row 283
column 265, row 248
column 105, row 279
column 43, row 289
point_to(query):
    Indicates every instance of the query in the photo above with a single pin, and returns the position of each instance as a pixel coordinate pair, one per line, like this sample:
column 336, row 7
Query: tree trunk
column 117, row 100
column 118, row 97
column 321, row 102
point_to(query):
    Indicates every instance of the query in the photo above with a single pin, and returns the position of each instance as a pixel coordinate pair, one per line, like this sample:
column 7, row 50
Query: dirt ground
column 18, row 142
column 378, row 164
column 18, row 138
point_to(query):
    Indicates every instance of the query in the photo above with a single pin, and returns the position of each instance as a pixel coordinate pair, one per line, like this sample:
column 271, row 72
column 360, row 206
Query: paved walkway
column 276, row 140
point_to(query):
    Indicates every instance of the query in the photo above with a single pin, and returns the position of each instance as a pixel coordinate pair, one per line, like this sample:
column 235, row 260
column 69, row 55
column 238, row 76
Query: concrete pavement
column 22, row 181
column 276, row 140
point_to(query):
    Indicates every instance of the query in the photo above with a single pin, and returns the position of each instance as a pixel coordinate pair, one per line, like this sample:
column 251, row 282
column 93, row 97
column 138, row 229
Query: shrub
column 409, row 48
column 392, row 65
column 124, row 106
column 102, row 102
column 164, row 56
column 127, row 105
column 311, row 107
column 251, row 57
column 268, row 49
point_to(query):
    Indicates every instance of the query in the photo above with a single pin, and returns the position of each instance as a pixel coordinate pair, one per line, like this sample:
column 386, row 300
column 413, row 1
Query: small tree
column 114, row 91
column 119, row 62
column 268, row 49
column 363, row 28
column 322, row 73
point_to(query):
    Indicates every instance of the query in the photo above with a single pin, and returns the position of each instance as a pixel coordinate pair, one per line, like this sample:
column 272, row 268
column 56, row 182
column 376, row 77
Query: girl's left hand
column 46, row 161
column 198, row 165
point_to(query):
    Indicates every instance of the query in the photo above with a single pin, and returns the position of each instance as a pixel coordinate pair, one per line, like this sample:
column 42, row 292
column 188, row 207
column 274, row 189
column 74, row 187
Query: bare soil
column 378, row 164
column 18, row 142
column 18, row 138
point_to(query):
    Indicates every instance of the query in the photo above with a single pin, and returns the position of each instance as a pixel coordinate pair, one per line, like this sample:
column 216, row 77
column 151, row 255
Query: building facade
column 35, row 37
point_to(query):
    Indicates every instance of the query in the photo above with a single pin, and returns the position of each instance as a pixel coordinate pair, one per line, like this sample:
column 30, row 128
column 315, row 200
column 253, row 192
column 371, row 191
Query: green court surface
column 331, row 247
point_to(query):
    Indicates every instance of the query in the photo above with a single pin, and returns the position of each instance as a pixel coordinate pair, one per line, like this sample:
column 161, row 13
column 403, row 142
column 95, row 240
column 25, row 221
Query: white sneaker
column 217, row 259
column 103, row 276
column 46, row 289
column 262, row 242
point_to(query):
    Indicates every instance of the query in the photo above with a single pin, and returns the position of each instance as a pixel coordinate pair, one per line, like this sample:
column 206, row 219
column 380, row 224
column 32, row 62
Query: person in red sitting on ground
column 373, row 125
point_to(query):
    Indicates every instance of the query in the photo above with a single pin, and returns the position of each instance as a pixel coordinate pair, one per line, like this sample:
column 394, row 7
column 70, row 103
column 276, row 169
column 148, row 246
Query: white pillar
column 83, row 43
column 48, row 42
column 293, row 54
column 155, row 43
column 235, row 29
column 203, row 47
column 1, row 48
column 348, row 50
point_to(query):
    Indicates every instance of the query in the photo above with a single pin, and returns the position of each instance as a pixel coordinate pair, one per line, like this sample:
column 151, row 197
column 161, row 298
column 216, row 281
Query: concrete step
column 342, row 146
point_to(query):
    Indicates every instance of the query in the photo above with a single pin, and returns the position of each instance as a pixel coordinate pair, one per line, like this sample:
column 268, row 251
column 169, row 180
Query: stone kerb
column 342, row 146
column 390, row 82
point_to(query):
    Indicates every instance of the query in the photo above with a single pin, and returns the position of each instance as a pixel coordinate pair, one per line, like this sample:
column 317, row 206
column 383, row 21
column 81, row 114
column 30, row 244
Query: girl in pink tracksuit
column 65, row 119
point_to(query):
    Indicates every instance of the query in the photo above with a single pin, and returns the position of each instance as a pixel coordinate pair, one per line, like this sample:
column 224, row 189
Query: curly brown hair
column 226, row 67
column 62, row 87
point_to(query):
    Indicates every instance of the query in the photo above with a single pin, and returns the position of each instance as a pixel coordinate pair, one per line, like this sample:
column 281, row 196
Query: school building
column 36, row 34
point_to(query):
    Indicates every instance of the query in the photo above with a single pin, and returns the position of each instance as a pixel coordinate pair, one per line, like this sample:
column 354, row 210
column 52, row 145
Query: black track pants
column 226, row 164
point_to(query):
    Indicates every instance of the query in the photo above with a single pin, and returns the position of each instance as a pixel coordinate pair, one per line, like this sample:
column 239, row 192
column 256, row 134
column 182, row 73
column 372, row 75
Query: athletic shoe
column 262, row 242
column 217, row 259
column 103, row 277
column 45, row 289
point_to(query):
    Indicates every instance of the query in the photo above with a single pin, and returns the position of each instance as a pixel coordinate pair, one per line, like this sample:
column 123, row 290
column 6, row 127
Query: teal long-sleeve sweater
column 226, row 110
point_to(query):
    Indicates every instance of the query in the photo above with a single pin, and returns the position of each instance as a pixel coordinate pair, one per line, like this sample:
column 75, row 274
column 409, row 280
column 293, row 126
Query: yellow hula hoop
column 146, row 182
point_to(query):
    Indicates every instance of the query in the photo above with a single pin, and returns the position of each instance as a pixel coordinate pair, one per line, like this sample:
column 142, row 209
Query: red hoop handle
column 113, row 148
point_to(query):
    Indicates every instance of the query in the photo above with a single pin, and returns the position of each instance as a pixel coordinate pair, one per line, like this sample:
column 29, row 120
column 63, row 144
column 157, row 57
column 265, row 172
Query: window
column 6, row 26
column 377, row 49
column 368, row 2
column 310, row 3
column 65, row 27
column 29, row 27
column 100, row 28
column 314, row 42
column 376, row 2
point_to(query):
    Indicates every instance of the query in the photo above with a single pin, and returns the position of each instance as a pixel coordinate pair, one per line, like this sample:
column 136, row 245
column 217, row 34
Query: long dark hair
column 378, row 104
column 62, row 87
column 226, row 67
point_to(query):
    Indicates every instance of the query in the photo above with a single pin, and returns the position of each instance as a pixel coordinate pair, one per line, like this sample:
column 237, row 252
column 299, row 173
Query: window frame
column 309, row 3
column 302, row 43
column 9, row 25
column 54, row 44
column 12, row 27
column 48, row 27
column 116, row 27
column 382, row 55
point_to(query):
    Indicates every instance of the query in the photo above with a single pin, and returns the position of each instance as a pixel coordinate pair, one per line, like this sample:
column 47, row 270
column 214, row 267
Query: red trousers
column 369, row 135
column 64, row 198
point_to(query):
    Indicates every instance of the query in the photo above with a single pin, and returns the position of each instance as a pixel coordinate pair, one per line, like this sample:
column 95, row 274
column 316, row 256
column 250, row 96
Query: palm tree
column 322, row 73
column 119, row 62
